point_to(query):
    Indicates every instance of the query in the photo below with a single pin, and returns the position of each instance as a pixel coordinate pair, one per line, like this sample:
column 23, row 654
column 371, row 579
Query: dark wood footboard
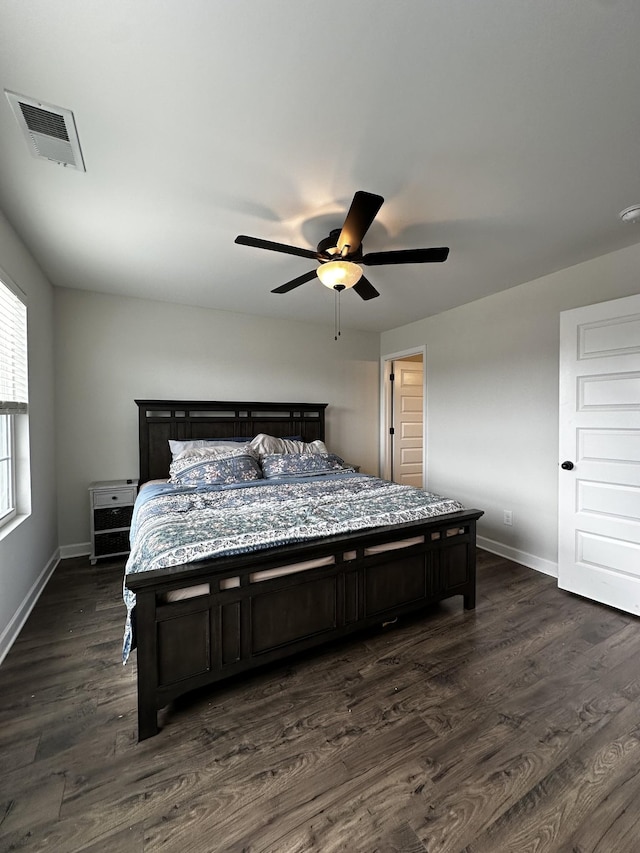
column 236, row 622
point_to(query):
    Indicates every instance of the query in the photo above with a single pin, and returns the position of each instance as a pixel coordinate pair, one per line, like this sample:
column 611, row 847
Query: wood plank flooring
column 514, row 727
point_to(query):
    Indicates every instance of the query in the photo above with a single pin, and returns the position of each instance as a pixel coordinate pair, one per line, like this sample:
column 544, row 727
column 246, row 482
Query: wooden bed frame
column 184, row 645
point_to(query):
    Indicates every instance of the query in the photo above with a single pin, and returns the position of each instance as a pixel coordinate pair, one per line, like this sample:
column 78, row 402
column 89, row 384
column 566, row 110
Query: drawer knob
column 114, row 497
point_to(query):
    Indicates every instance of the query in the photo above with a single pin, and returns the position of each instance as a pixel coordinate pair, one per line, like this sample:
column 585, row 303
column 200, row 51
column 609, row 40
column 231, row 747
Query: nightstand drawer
column 112, row 517
column 102, row 498
column 110, row 543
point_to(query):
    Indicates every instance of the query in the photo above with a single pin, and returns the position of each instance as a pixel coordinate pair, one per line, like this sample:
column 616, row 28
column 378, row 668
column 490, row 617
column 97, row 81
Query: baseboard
column 81, row 549
column 522, row 557
column 10, row 633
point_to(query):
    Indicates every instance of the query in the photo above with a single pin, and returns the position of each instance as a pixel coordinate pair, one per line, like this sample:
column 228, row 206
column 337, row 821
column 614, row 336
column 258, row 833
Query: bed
column 195, row 621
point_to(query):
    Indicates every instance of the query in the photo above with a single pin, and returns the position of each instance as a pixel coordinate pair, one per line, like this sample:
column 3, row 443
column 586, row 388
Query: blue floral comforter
column 173, row 525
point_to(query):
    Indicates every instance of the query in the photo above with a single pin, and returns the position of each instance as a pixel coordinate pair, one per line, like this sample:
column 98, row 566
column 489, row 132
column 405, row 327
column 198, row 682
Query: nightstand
column 111, row 507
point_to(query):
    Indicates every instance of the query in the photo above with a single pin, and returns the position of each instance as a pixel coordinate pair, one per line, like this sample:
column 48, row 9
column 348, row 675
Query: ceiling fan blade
column 365, row 289
column 406, row 256
column 243, row 240
column 362, row 212
column 295, row 282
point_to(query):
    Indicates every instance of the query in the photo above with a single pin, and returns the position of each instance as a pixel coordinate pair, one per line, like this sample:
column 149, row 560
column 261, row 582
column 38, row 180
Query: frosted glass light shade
column 631, row 214
column 339, row 272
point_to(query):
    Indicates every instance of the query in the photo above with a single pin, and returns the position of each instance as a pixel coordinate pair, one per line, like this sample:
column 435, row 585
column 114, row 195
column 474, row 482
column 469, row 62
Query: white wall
column 111, row 350
column 492, row 399
column 28, row 553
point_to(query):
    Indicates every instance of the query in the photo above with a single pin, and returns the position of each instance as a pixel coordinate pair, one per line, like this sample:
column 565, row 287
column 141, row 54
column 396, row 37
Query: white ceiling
column 508, row 130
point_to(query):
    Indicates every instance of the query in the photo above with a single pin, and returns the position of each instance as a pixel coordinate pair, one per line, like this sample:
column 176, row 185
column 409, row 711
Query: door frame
column 385, row 408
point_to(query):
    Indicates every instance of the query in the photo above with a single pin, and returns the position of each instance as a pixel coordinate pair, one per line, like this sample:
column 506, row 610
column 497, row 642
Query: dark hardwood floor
column 515, row 727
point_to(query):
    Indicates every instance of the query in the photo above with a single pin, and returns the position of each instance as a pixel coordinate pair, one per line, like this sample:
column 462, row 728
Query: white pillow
column 179, row 449
column 265, row 445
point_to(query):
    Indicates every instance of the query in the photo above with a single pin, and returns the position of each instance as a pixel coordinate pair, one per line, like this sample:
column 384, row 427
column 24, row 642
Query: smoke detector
column 630, row 214
column 50, row 131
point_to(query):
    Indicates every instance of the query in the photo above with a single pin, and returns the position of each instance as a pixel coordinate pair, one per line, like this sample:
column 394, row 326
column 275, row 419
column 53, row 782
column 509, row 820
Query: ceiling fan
column 340, row 254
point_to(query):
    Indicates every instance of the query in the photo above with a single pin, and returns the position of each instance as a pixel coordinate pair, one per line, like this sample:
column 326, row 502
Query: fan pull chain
column 338, row 288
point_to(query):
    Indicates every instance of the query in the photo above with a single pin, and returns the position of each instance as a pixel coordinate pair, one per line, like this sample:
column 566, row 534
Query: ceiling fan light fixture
column 343, row 273
column 630, row 214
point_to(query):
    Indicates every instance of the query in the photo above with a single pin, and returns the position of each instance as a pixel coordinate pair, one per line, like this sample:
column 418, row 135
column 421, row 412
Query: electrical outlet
column 508, row 517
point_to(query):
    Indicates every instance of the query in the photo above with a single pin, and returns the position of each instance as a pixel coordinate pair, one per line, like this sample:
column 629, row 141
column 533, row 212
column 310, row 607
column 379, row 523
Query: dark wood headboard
column 160, row 420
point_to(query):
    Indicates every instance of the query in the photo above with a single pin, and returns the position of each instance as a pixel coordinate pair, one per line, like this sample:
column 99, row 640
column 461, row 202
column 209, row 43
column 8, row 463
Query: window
column 13, row 393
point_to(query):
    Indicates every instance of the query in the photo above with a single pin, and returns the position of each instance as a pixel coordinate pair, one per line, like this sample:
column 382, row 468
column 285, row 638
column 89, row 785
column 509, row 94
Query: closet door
column 408, row 437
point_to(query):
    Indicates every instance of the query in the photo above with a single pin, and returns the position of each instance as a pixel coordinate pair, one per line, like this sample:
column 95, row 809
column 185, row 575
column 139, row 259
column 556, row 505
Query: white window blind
column 14, row 393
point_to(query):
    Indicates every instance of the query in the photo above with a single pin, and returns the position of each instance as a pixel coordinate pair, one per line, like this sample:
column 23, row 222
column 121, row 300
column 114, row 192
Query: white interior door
column 408, row 427
column 599, row 496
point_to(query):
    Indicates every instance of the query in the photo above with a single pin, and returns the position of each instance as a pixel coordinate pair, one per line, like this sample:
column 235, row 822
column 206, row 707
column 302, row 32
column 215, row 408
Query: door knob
column 568, row 466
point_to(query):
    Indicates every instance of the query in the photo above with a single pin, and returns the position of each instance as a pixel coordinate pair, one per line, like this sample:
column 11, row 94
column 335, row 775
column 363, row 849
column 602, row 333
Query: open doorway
column 403, row 418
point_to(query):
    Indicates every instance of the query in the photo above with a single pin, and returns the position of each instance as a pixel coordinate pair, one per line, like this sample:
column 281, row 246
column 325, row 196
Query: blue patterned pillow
column 207, row 469
column 280, row 465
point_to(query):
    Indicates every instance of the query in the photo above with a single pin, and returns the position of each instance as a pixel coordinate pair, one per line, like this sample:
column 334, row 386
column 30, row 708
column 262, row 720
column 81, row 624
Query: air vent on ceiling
column 50, row 131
